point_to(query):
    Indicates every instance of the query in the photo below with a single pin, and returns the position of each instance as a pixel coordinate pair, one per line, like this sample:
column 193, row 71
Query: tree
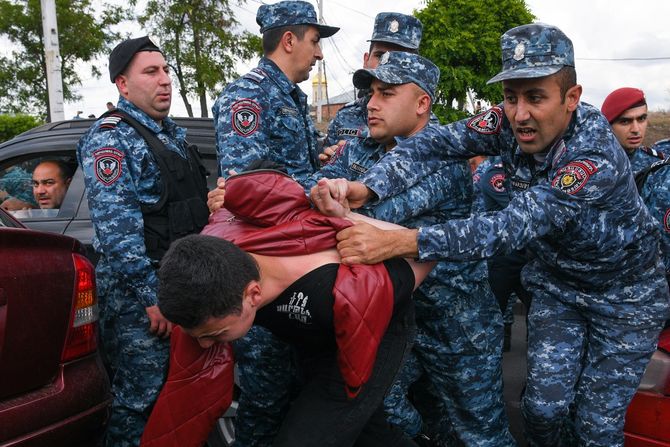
column 199, row 41
column 83, row 35
column 463, row 39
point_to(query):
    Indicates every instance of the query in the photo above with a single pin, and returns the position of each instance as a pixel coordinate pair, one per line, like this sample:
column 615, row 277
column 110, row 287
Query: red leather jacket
column 268, row 213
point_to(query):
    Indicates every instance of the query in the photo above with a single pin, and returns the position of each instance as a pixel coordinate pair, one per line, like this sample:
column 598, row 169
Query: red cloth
column 268, row 213
column 198, row 390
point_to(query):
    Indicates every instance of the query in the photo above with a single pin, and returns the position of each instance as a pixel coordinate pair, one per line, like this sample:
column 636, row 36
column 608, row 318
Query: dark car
column 20, row 155
column 54, row 390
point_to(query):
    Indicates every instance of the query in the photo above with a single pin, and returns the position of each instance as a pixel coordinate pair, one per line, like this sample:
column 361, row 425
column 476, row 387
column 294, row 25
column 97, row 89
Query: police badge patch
column 573, row 176
column 246, row 117
column 488, row 122
column 108, row 165
column 666, row 221
column 498, row 182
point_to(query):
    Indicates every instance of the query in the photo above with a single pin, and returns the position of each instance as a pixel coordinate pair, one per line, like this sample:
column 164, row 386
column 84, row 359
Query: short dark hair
column 65, row 169
column 201, row 277
column 394, row 47
column 272, row 36
column 566, row 78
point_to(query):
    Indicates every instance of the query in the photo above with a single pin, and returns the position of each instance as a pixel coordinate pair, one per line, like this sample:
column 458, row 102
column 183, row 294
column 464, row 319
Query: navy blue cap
column 400, row 67
column 398, row 29
column 287, row 13
column 534, row 51
column 123, row 53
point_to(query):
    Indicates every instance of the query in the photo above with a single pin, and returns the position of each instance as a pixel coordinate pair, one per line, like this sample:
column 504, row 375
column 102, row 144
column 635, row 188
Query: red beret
column 621, row 100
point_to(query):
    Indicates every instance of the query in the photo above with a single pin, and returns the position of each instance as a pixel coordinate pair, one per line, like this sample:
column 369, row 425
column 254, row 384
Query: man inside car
column 51, row 179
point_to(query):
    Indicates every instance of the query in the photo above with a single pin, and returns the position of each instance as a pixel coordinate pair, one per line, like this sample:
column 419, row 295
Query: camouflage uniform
column 662, row 146
column 459, row 326
column 17, row 182
column 264, row 115
column 655, row 192
column 643, row 157
column 599, row 293
column 126, row 277
column 477, row 196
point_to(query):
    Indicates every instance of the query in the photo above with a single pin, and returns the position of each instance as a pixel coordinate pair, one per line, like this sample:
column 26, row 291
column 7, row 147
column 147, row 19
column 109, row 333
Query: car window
column 36, row 186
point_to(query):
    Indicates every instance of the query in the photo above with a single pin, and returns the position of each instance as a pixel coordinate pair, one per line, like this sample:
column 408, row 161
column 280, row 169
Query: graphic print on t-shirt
column 296, row 308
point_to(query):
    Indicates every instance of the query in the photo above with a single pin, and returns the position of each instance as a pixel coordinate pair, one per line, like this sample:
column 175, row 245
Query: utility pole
column 319, row 94
column 53, row 61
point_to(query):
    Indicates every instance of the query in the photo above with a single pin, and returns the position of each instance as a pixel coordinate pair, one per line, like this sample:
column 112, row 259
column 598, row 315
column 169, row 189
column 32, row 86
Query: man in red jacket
column 216, row 291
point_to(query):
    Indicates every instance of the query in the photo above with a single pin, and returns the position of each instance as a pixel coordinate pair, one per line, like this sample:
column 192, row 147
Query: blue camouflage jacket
column 350, row 122
column 577, row 209
column 437, row 198
column 121, row 175
column 263, row 115
column 643, row 157
column 656, row 195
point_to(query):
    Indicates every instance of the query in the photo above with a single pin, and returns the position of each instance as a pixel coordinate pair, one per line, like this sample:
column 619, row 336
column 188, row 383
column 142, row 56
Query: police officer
column 596, row 277
column 264, row 115
column 654, row 186
column 459, row 324
column 129, row 157
column 626, row 110
column 392, row 32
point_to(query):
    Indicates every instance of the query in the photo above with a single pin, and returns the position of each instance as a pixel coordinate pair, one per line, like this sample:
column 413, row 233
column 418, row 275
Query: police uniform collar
column 277, row 76
column 141, row 116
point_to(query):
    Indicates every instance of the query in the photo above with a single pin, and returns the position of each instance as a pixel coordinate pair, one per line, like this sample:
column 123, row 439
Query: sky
column 603, row 33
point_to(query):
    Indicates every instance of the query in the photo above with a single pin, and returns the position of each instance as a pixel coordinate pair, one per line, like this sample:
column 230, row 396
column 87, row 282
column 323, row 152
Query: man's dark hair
column 566, row 78
column 201, row 277
column 394, row 47
column 65, row 169
column 272, row 36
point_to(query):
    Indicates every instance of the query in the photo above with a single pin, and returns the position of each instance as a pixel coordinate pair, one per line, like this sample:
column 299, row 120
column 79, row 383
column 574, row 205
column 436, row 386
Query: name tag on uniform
column 347, row 132
column 287, row 111
column 358, row 168
column 519, row 184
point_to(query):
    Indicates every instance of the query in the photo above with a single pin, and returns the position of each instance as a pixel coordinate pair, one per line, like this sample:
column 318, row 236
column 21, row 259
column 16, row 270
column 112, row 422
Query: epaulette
column 256, row 75
column 653, row 152
column 110, row 122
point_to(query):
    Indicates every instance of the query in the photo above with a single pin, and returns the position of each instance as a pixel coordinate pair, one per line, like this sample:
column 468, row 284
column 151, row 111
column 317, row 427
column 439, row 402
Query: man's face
column 535, row 110
column 49, row 187
column 371, row 59
column 394, row 110
column 225, row 329
column 306, row 52
column 147, row 84
column 630, row 127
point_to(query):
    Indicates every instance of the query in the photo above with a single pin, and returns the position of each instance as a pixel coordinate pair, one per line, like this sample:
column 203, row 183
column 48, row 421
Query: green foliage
column 201, row 43
column 83, row 33
column 463, row 39
column 12, row 125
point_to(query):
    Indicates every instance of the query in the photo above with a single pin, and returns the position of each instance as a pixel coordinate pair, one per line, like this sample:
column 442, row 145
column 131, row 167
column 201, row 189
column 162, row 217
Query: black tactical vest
column 182, row 208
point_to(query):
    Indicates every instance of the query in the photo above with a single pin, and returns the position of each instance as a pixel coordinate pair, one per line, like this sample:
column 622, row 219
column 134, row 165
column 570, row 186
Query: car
column 54, row 389
column 59, row 140
column 649, row 411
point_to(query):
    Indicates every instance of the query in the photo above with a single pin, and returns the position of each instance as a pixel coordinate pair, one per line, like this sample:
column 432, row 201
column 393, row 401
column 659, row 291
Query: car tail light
column 83, row 331
column 657, row 375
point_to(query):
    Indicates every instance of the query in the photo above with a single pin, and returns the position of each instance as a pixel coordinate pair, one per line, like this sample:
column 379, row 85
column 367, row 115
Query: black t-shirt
column 303, row 314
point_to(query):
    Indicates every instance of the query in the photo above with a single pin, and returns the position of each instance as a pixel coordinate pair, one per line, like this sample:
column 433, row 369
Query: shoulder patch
column 666, row 221
column 110, row 122
column 497, row 182
column 653, row 152
column 488, row 122
column 573, row 176
column 108, row 165
column 246, row 116
column 256, row 75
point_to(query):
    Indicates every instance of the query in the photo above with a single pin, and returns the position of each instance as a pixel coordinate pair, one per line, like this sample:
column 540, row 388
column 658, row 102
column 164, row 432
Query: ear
column 366, row 58
column 68, row 181
column 572, row 97
column 423, row 104
column 253, row 293
column 122, row 85
column 287, row 41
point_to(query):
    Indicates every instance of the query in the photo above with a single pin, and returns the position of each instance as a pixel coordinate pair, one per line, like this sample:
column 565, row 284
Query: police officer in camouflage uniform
column 654, row 186
column 264, row 115
column 136, row 216
column 597, row 282
column 626, row 110
column 459, row 326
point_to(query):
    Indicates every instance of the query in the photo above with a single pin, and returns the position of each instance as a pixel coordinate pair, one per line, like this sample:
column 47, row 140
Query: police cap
column 287, row 13
column 123, row 53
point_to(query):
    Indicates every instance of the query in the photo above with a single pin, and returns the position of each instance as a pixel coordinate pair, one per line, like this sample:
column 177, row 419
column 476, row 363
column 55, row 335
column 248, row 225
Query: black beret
column 123, row 53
